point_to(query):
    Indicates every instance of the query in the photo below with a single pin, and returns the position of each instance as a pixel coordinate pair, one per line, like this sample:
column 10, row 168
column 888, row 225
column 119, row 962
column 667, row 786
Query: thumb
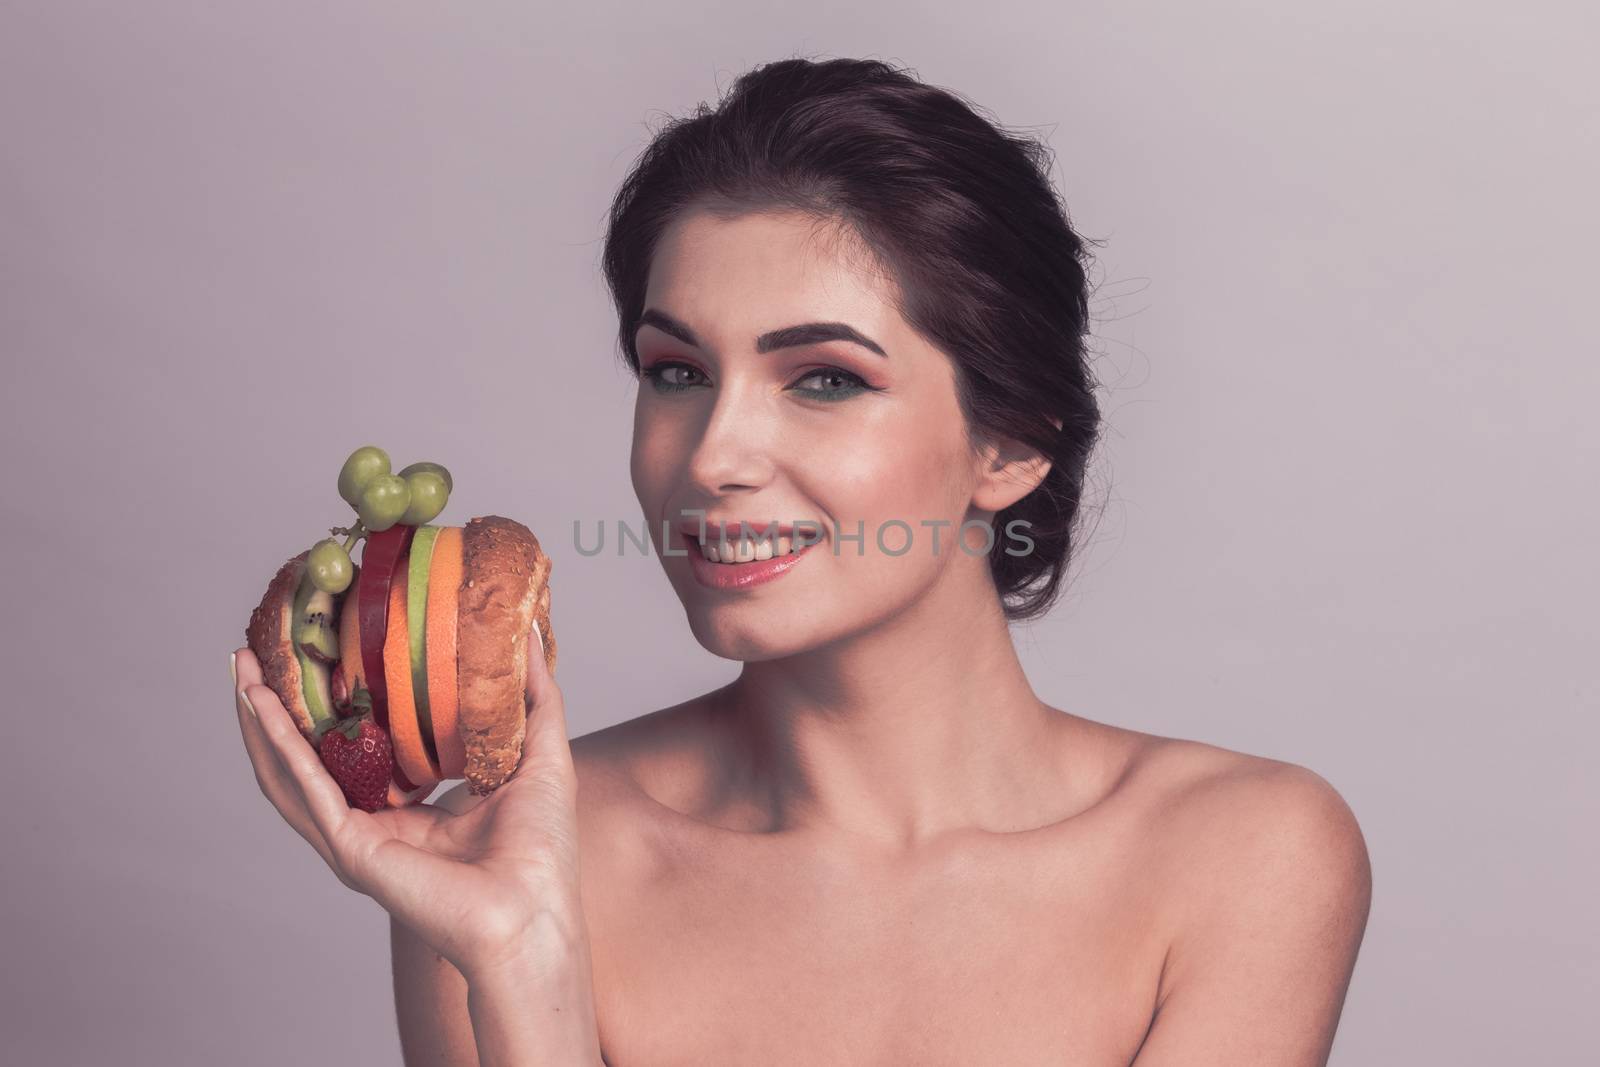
column 544, row 744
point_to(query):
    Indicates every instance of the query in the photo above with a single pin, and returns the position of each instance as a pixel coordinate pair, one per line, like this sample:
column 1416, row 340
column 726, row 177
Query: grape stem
column 356, row 532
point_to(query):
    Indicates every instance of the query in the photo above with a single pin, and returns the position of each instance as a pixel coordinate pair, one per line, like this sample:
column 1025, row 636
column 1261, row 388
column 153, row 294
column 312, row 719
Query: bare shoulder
column 1261, row 887
column 1218, row 786
column 1247, row 831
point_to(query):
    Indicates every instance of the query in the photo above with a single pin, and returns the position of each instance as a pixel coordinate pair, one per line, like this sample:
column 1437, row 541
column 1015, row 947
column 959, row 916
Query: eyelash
column 655, row 370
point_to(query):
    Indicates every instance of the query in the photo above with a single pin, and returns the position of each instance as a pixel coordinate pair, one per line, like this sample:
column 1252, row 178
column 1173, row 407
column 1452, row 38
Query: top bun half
column 505, row 599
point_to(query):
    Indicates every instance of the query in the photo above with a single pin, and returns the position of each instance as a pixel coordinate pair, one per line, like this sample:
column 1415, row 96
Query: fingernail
column 249, row 706
column 233, row 672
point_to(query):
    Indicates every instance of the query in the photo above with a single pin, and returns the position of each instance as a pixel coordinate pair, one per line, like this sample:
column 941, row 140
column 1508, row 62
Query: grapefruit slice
column 444, row 599
column 409, row 754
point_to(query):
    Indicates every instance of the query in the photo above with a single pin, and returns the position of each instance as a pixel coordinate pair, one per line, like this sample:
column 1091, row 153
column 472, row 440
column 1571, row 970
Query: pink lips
column 738, row 575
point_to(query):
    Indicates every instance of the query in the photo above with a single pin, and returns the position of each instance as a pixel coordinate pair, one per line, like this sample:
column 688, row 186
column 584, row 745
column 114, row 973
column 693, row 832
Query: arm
column 430, row 1001
column 543, row 1011
column 1268, row 939
column 538, row 1008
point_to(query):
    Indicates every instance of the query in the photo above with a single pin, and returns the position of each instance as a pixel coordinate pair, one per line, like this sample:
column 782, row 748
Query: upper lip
column 731, row 530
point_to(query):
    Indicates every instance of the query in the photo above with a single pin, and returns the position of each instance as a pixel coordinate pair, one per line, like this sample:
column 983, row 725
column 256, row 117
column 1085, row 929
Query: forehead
column 733, row 278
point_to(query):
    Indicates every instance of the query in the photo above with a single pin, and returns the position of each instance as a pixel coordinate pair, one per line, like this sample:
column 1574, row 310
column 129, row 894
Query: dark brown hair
column 959, row 210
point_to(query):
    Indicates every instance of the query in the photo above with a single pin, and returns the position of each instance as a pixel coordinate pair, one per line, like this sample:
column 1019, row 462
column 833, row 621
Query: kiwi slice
column 314, row 626
column 316, row 683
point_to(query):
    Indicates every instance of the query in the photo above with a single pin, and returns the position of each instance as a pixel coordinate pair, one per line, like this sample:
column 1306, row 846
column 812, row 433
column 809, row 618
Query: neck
column 921, row 725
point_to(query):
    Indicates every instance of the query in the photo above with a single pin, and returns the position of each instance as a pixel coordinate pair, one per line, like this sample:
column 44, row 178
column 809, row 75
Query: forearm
column 538, row 1008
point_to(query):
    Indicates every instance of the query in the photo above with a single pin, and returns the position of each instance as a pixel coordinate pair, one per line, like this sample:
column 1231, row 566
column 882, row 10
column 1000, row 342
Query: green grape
column 330, row 566
column 449, row 483
column 383, row 501
column 364, row 464
column 429, row 493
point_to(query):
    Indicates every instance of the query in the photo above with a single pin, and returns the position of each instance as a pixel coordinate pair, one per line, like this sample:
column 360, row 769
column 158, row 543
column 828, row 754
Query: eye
column 670, row 376
column 832, row 383
column 835, row 384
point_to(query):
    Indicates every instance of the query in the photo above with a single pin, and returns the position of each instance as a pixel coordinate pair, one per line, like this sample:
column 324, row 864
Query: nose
column 734, row 450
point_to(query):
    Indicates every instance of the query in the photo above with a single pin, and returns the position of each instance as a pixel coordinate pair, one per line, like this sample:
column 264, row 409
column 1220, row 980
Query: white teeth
column 745, row 550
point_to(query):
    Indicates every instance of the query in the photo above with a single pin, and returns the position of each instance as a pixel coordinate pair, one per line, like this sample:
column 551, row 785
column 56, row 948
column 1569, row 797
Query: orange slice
column 403, row 730
column 444, row 596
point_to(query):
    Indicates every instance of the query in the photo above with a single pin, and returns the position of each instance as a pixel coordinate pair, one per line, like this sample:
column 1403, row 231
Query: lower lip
column 740, row 575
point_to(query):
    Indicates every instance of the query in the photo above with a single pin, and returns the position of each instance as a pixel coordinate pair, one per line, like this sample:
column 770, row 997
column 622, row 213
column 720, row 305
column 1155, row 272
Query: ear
column 1007, row 472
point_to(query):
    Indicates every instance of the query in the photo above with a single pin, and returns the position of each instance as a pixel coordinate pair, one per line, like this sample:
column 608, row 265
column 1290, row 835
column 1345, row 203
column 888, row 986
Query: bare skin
column 878, row 845
column 1218, row 895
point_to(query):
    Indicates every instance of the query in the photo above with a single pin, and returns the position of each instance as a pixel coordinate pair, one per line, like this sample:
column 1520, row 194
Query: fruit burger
column 410, row 668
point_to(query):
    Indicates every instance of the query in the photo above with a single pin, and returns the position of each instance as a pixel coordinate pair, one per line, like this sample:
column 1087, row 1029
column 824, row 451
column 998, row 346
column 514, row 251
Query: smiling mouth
column 748, row 550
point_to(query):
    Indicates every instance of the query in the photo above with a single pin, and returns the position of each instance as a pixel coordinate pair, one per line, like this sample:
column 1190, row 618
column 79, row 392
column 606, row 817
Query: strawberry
column 358, row 754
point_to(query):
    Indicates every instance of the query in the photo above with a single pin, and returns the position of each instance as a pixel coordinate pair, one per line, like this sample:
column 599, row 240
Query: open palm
column 468, row 879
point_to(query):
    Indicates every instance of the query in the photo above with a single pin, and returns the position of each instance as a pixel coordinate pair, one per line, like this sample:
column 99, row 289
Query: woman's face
column 828, row 432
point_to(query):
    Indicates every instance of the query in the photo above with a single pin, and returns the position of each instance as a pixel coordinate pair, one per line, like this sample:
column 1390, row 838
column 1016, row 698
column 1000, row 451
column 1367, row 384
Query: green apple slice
column 421, row 561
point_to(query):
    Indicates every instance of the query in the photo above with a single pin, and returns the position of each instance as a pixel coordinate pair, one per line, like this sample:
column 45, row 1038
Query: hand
column 474, row 885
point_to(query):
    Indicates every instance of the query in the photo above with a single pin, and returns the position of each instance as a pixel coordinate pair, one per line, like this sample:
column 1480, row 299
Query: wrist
column 549, row 944
column 535, row 1004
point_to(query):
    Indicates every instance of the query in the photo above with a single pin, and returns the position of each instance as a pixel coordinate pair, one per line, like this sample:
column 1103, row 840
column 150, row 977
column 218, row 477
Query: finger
column 323, row 799
column 545, row 748
column 366, row 856
column 540, row 680
column 274, row 780
column 271, row 773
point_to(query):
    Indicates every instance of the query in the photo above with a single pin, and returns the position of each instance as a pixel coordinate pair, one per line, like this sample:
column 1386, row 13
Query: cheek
column 907, row 468
column 882, row 481
column 911, row 472
column 650, row 462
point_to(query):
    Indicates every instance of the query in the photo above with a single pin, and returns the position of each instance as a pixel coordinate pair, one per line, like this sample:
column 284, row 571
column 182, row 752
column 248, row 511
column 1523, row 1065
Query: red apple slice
column 382, row 554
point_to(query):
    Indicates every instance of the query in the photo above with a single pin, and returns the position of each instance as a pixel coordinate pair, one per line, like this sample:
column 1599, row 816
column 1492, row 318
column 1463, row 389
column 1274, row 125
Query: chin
column 751, row 631
column 734, row 631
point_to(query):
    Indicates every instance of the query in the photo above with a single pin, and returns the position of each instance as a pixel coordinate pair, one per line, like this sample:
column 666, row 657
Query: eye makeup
column 669, row 376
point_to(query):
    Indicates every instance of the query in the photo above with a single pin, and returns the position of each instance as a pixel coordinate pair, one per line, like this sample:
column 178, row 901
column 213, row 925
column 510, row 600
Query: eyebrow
column 810, row 333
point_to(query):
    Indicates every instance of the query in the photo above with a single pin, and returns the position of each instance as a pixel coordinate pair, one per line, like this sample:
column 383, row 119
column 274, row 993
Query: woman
column 857, row 310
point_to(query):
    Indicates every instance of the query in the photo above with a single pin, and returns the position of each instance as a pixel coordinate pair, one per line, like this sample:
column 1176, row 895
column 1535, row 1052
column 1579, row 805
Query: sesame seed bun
column 269, row 638
column 504, row 600
column 505, row 595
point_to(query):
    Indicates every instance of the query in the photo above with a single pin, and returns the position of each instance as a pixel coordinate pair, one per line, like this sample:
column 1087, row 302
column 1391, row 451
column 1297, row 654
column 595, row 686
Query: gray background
column 1345, row 317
